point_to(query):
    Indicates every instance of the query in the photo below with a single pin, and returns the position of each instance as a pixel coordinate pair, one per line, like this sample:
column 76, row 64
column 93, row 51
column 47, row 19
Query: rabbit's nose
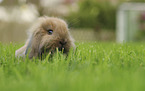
column 62, row 42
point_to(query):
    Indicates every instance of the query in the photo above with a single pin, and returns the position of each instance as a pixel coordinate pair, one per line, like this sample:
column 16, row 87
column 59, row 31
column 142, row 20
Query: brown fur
column 40, row 41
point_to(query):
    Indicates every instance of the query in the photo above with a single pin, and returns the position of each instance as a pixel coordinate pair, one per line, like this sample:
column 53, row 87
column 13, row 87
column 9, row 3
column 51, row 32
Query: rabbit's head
column 48, row 35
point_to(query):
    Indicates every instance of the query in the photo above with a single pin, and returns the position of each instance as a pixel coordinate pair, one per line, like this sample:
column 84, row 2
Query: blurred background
column 88, row 20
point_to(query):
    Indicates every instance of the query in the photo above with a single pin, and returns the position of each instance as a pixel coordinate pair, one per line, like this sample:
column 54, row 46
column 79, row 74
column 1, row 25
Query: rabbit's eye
column 50, row 31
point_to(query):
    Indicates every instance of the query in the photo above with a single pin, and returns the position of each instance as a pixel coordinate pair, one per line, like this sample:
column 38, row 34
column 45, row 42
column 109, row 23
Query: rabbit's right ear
column 34, row 48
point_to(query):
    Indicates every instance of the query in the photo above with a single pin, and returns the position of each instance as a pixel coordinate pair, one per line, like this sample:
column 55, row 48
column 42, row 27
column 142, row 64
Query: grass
column 94, row 66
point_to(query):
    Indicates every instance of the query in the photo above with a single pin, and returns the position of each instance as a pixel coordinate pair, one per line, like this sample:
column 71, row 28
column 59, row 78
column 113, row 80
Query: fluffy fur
column 40, row 42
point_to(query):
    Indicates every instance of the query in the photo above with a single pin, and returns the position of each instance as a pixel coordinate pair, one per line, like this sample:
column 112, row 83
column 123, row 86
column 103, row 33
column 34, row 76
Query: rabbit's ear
column 34, row 49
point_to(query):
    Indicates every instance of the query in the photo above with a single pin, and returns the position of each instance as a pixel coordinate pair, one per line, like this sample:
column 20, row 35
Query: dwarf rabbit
column 47, row 34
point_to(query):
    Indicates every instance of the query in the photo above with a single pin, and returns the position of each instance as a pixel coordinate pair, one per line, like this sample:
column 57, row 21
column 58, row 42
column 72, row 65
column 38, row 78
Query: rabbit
column 45, row 36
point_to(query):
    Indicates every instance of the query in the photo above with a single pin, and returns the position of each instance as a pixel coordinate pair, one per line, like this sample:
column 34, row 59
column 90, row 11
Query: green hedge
column 93, row 14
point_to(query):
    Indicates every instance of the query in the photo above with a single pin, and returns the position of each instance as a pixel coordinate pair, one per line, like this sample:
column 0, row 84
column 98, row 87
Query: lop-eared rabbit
column 45, row 36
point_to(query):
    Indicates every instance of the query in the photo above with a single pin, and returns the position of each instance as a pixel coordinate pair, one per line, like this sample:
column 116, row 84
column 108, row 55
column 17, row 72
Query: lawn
column 93, row 67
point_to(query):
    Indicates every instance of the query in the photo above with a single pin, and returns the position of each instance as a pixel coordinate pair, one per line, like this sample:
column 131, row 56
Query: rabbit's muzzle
column 61, row 45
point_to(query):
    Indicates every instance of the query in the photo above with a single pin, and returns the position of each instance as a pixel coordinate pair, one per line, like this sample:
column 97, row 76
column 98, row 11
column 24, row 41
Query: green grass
column 93, row 67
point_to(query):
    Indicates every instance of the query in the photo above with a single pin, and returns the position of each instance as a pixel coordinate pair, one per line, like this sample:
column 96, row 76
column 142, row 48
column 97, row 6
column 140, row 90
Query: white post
column 120, row 33
column 127, row 21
